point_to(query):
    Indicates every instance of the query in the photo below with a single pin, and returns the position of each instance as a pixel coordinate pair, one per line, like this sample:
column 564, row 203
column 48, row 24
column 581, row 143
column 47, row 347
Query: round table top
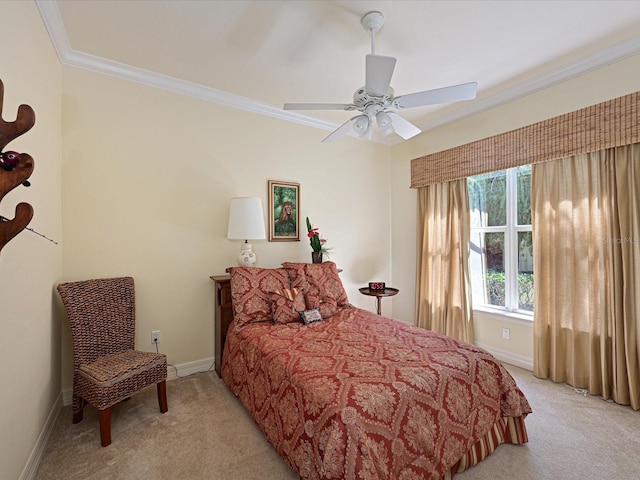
column 387, row 292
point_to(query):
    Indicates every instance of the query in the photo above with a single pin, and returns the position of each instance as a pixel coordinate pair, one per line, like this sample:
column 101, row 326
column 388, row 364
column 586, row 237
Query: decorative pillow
column 327, row 305
column 287, row 304
column 321, row 278
column 310, row 316
column 250, row 293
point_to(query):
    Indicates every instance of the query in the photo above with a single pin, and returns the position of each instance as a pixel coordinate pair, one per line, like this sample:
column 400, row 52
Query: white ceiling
column 257, row 55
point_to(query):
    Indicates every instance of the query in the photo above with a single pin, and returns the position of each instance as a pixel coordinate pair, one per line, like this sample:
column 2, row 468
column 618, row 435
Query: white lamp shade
column 246, row 220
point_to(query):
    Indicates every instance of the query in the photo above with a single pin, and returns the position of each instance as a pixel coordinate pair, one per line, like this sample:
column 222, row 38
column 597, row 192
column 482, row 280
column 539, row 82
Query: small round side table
column 387, row 292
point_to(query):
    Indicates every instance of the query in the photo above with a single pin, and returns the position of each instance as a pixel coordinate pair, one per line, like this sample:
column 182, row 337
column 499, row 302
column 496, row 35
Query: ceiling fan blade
column 378, row 74
column 341, row 130
column 456, row 93
column 403, row 127
column 318, row 106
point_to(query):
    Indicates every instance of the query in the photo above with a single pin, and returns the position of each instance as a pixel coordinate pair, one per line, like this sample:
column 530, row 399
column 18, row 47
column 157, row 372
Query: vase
column 316, row 257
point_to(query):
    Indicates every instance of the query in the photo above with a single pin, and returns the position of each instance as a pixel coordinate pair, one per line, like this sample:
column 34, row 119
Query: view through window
column 501, row 260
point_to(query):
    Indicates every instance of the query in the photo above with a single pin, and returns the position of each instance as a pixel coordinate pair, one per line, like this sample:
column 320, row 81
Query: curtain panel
column 609, row 124
column 443, row 286
column 586, row 224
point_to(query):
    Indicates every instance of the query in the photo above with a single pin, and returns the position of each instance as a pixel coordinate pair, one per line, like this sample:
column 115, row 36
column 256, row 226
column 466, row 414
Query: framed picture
column 284, row 211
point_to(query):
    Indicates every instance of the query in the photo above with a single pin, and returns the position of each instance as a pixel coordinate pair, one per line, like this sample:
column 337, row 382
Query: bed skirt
column 505, row 430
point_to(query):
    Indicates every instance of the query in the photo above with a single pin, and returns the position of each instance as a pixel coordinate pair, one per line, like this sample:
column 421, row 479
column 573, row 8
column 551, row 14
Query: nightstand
column 387, row 292
column 224, row 315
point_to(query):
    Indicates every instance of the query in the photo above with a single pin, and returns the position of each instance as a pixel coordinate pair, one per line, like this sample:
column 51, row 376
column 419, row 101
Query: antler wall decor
column 16, row 168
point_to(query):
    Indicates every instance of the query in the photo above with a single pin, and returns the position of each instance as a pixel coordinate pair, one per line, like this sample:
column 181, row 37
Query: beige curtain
column 586, row 217
column 443, row 288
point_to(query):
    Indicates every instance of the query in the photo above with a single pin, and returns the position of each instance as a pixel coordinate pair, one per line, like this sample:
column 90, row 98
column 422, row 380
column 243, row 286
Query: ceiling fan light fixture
column 377, row 98
column 361, row 125
column 367, row 133
column 387, row 131
column 384, row 123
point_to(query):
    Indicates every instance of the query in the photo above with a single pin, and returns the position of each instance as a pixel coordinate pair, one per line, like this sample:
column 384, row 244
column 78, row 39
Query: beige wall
column 29, row 265
column 133, row 180
column 148, row 175
column 612, row 81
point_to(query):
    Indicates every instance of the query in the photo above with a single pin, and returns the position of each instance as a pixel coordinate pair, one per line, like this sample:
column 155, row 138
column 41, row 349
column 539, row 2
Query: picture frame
column 284, row 211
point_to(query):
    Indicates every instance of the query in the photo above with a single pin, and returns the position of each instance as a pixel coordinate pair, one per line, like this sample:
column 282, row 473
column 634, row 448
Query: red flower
column 317, row 243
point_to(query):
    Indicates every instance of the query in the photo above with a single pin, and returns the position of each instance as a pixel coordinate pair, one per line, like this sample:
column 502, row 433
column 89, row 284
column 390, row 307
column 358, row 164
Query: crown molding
column 585, row 65
column 55, row 27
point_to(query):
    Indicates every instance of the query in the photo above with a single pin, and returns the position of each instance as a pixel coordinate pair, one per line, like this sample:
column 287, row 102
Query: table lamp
column 246, row 222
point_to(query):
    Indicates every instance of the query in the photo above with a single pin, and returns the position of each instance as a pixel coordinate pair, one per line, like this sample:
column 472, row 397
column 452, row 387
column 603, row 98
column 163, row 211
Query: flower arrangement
column 316, row 242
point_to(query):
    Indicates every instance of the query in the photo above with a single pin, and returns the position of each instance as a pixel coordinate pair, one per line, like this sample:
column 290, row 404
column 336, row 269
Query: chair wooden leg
column 105, row 426
column 162, row 396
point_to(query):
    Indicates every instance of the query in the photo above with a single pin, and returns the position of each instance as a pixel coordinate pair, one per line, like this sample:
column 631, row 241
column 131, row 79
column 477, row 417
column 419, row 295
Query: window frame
column 511, row 233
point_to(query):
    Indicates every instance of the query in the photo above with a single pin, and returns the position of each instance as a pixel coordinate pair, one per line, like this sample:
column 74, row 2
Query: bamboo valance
column 609, row 124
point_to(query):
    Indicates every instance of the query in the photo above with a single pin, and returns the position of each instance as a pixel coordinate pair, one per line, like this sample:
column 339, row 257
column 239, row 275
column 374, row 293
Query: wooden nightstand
column 387, row 292
column 224, row 315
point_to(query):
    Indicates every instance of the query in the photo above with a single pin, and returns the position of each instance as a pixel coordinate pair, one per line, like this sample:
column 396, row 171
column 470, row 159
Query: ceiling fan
column 376, row 99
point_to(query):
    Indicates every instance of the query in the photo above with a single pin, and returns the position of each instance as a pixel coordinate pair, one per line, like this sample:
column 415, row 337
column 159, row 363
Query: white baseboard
column 66, row 397
column 189, row 368
column 509, row 357
column 173, row 372
column 33, row 461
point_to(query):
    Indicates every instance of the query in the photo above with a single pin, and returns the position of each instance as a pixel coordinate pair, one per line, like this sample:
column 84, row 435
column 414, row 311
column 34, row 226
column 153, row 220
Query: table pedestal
column 387, row 292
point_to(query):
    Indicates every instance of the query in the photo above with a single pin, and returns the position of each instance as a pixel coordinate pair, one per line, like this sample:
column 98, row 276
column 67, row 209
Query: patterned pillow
column 327, row 305
column 321, row 278
column 311, row 316
column 287, row 304
column 250, row 293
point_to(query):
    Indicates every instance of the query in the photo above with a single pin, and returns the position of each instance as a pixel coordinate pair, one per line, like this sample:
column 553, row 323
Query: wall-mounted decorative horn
column 16, row 168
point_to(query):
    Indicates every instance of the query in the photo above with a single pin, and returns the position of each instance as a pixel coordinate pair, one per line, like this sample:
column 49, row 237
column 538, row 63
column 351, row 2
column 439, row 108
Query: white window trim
column 520, row 316
column 510, row 232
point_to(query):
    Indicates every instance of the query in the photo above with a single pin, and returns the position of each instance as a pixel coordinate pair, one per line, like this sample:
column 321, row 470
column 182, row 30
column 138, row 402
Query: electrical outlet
column 155, row 337
column 506, row 334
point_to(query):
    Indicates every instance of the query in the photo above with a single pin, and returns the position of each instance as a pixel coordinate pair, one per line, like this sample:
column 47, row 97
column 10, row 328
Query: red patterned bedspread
column 360, row 396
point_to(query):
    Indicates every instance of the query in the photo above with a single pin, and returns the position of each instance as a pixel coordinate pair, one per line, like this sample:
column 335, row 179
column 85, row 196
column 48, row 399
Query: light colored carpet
column 206, row 434
column 571, row 437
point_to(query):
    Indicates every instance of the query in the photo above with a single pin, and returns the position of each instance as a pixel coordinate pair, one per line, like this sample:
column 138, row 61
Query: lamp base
column 246, row 257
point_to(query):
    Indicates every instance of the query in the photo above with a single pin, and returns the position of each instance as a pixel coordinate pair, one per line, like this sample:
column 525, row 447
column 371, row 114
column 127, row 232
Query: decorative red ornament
column 10, row 158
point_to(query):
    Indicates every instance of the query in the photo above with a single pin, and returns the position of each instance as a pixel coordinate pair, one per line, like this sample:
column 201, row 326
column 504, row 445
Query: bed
column 347, row 394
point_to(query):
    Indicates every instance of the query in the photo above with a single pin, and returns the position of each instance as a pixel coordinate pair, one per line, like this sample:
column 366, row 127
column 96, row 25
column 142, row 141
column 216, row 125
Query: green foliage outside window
column 524, row 195
column 496, row 290
column 488, row 194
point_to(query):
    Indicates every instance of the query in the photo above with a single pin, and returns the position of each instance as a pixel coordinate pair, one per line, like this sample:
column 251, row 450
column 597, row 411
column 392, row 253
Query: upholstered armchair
column 106, row 367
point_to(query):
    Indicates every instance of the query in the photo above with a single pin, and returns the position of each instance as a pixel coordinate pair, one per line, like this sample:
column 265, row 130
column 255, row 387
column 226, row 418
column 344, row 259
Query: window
column 501, row 260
